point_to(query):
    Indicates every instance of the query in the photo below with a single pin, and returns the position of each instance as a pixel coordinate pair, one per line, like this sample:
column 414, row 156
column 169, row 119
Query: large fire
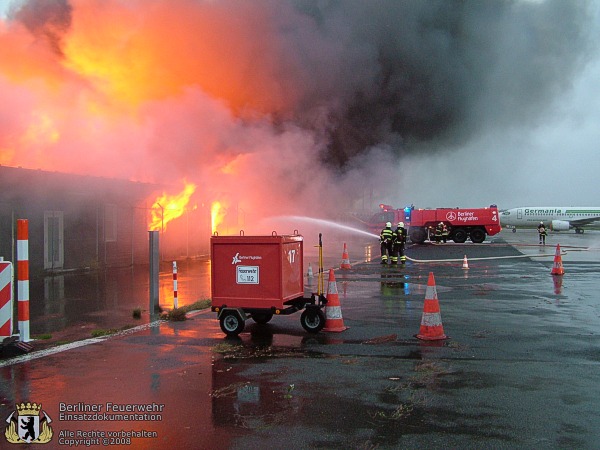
column 155, row 90
column 168, row 207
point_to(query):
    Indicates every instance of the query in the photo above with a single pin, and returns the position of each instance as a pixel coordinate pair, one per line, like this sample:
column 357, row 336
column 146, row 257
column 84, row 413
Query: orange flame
column 217, row 214
column 168, row 207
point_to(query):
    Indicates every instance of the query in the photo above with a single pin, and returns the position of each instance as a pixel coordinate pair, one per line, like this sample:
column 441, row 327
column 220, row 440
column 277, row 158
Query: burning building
column 78, row 222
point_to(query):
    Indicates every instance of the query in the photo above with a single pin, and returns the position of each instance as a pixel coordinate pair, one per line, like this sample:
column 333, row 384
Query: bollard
column 23, row 278
column 175, row 285
column 154, row 266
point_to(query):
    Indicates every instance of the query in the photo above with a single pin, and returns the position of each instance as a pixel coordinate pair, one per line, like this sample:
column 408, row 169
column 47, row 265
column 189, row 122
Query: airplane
column 559, row 218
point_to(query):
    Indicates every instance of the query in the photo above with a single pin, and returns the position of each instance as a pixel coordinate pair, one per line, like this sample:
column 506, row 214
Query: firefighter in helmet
column 399, row 243
column 438, row 232
column 445, row 233
column 386, row 238
column 542, row 233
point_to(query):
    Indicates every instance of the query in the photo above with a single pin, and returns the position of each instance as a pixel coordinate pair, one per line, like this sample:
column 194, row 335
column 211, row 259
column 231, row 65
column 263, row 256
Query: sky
column 310, row 108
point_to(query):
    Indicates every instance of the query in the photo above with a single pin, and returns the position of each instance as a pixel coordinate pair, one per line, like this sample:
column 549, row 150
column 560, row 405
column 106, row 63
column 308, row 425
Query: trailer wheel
column 312, row 320
column 477, row 236
column 231, row 323
column 262, row 318
column 460, row 236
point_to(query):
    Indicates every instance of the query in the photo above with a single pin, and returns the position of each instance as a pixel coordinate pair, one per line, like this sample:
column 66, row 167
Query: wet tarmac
column 519, row 369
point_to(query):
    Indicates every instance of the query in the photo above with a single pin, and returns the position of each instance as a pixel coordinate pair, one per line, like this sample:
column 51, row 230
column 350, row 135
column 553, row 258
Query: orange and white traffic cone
column 345, row 259
column 334, row 321
column 557, row 267
column 431, row 321
column 465, row 263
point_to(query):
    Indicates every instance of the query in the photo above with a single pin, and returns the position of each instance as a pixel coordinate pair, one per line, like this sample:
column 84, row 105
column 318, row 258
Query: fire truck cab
column 390, row 214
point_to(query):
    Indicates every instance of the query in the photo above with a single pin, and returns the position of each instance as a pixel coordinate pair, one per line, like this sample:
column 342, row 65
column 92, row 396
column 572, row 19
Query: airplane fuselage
column 558, row 218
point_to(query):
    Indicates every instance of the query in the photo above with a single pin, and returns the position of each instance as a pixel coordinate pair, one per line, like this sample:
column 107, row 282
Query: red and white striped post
column 6, row 299
column 23, row 278
column 175, row 285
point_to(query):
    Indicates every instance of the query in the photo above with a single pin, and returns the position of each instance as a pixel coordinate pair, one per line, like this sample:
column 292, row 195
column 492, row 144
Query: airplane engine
column 560, row 225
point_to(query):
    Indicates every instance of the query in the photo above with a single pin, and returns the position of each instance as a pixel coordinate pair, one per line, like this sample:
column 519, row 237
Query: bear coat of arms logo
column 28, row 426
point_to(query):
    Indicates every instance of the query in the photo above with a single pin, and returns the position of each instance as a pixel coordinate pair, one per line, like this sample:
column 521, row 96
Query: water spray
column 326, row 223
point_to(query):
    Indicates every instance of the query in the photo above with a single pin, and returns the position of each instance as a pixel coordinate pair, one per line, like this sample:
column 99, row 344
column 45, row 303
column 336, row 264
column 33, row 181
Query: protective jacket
column 399, row 242
column 386, row 235
column 386, row 239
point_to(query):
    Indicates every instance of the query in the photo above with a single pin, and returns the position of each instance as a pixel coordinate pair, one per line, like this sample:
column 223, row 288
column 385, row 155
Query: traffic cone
column 333, row 310
column 557, row 268
column 345, row 259
column 465, row 263
column 431, row 321
column 309, row 274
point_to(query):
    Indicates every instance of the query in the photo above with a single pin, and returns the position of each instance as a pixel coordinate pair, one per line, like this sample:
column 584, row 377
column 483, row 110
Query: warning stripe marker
column 6, row 299
column 23, row 278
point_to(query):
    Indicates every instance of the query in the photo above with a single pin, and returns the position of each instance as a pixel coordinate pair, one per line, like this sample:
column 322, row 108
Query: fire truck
column 462, row 223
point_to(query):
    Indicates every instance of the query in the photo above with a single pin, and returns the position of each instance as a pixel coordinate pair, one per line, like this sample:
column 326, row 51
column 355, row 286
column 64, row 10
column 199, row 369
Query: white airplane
column 559, row 218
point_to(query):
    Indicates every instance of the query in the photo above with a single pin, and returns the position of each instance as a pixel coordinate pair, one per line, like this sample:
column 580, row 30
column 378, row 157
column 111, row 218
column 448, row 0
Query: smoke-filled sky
column 303, row 107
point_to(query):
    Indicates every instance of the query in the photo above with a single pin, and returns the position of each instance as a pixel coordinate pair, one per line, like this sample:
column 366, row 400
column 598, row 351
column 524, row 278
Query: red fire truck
column 462, row 223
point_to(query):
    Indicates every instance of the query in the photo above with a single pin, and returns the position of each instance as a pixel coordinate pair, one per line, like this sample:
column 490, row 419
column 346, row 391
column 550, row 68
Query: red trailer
column 258, row 277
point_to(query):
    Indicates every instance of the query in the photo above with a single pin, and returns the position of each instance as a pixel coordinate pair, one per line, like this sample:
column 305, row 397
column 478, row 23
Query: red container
column 256, row 271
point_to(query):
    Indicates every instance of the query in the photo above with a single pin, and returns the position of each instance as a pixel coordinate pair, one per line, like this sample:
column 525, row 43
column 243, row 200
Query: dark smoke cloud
column 47, row 20
column 405, row 73
column 371, row 88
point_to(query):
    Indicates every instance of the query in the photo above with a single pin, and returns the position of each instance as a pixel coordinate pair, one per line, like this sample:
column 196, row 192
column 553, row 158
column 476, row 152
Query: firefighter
column 438, row 232
column 430, row 233
column 399, row 243
column 445, row 232
column 386, row 238
column 542, row 233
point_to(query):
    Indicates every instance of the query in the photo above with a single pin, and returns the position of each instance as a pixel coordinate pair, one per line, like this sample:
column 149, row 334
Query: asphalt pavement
column 518, row 369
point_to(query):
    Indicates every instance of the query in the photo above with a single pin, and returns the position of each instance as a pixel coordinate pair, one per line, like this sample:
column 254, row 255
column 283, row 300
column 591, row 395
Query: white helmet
column 401, row 224
column 388, row 224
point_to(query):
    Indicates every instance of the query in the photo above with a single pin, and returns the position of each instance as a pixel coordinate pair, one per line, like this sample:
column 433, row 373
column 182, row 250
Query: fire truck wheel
column 262, row 318
column 460, row 236
column 312, row 320
column 418, row 235
column 477, row 236
column 231, row 323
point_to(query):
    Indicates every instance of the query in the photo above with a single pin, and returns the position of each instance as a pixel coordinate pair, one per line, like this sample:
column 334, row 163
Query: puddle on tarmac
column 107, row 299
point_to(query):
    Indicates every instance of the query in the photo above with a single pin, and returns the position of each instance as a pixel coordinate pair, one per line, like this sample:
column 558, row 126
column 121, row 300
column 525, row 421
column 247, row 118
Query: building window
column 110, row 223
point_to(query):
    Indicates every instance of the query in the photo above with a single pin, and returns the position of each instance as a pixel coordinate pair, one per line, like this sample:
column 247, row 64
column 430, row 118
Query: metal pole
column 154, row 269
